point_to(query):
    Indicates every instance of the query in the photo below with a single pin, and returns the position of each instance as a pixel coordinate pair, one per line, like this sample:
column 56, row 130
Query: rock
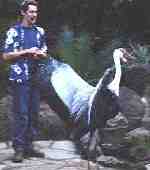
column 67, row 149
column 118, row 121
column 70, row 162
column 139, row 144
column 139, row 135
column 146, row 101
column 136, row 77
column 114, row 142
column 5, row 117
column 132, row 107
column 114, row 135
column 146, row 122
column 109, row 161
column 130, row 118
column 50, row 125
column 123, row 138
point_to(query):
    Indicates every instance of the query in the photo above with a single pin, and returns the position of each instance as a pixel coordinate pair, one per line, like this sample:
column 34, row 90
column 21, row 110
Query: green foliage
column 106, row 52
column 78, row 53
column 103, row 18
column 4, row 66
column 142, row 54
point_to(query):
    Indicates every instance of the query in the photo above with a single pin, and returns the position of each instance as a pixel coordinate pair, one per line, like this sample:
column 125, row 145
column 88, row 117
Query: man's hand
column 40, row 54
column 31, row 51
column 35, row 53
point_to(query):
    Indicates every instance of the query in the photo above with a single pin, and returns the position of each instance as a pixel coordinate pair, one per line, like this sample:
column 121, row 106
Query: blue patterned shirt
column 19, row 37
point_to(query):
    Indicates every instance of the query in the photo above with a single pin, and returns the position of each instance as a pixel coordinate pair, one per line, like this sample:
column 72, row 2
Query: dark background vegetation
column 97, row 27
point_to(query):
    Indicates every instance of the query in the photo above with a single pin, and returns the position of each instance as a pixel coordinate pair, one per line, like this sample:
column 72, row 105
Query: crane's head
column 123, row 54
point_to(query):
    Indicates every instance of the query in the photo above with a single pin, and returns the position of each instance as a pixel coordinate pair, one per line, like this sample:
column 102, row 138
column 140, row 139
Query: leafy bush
column 4, row 66
column 142, row 53
column 77, row 52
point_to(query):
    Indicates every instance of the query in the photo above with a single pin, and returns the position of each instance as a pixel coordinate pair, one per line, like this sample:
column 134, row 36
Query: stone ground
column 60, row 155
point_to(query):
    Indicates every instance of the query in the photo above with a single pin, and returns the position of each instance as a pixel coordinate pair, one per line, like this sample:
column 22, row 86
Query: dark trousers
column 26, row 103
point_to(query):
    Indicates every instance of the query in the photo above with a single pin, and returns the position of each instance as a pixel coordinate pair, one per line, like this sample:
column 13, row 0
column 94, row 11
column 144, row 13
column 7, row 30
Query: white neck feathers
column 114, row 85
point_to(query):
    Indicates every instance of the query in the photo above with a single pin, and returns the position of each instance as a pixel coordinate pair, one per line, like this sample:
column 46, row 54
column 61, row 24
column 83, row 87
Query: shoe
column 33, row 153
column 18, row 157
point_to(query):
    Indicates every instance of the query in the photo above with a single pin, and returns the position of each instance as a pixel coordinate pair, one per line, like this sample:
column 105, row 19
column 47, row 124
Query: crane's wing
column 71, row 89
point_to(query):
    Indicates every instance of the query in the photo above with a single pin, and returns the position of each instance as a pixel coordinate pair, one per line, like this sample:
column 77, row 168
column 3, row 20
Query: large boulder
column 50, row 125
column 136, row 77
column 5, row 117
column 132, row 107
column 133, row 111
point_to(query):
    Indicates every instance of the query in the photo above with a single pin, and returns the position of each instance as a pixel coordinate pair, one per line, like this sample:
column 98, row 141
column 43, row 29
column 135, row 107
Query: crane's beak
column 123, row 58
column 126, row 56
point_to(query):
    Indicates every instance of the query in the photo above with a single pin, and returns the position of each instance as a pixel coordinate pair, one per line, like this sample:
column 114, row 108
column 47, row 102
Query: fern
column 77, row 52
column 142, row 54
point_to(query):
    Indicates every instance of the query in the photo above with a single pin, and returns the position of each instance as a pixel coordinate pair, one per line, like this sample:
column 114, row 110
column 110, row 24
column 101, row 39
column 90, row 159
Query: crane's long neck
column 114, row 85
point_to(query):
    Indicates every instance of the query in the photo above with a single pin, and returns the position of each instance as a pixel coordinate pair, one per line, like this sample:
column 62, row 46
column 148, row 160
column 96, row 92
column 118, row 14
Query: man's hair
column 24, row 5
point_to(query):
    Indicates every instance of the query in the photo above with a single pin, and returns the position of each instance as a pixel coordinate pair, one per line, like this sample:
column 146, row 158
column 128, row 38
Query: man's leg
column 33, row 130
column 21, row 118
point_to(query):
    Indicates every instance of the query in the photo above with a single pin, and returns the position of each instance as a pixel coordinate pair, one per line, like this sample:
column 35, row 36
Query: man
column 25, row 46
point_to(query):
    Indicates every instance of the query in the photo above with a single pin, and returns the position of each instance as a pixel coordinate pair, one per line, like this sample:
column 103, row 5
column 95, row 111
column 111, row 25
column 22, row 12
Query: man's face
column 30, row 16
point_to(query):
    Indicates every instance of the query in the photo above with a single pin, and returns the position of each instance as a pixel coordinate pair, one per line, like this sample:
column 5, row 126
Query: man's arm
column 42, row 51
column 32, row 52
column 13, row 55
